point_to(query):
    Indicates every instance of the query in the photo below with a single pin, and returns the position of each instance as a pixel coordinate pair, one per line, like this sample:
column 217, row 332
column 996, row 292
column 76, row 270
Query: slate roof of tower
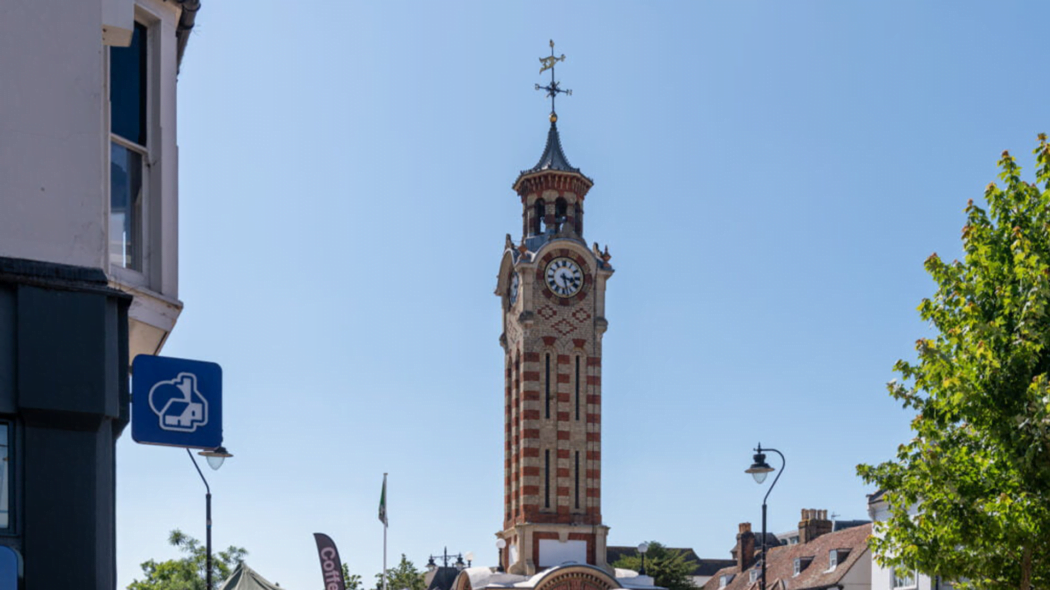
column 553, row 157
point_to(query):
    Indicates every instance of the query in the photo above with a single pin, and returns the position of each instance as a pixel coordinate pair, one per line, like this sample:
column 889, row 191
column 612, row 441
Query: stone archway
column 462, row 582
column 577, row 577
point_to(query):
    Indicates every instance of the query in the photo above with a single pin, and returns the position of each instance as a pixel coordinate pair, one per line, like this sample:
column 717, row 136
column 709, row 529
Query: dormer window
column 801, row 563
column 754, row 575
column 724, row 580
column 835, row 556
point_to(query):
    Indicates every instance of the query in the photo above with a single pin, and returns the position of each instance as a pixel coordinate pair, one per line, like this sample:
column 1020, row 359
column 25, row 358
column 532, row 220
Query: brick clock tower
column 552, row 290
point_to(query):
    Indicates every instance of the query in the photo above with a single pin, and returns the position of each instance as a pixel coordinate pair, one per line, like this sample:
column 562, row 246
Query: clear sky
column 769, row 177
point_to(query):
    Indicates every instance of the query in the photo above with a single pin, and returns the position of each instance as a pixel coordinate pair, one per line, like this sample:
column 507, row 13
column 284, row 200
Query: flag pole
column 385, row 525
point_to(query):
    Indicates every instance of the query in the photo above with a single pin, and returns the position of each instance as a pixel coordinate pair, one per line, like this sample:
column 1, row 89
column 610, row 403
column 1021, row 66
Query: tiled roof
column 781, row 564
column 771, row 541
column 708, row 567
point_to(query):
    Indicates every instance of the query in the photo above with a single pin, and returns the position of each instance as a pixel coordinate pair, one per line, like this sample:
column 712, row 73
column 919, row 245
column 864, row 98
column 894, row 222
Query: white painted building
column 885, row 578
column 88, row 152
column 88, row 263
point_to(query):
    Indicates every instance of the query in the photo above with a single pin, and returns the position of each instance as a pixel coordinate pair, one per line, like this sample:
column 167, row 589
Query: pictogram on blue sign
column 176, row 402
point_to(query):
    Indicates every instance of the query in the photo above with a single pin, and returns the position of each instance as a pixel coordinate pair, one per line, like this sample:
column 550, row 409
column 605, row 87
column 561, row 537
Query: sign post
column 177, row 402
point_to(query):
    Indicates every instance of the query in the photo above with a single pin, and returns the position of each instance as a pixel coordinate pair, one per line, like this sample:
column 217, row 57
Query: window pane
column 127, row 88
column 125, row 209
column 5, row 480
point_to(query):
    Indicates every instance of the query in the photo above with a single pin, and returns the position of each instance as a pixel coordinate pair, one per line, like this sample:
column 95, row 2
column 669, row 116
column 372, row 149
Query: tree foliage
column 976, row 476
column 351, row 581
column 668, row 567
column 404, row 576
column 188, row 573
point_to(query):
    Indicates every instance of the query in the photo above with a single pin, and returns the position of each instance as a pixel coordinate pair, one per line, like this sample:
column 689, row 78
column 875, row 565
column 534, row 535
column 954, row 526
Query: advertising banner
column 331, row 566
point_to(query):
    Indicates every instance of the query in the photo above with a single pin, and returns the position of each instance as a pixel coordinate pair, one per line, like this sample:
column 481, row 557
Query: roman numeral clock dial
column 564, row 277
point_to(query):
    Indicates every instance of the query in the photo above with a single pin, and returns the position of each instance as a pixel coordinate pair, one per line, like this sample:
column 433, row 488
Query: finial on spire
column 547, row 63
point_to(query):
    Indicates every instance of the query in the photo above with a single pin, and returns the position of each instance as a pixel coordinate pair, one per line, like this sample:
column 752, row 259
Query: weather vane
column 547, row 63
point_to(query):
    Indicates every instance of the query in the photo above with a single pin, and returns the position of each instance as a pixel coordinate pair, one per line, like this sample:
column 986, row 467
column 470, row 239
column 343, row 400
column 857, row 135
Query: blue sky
column 769, row 178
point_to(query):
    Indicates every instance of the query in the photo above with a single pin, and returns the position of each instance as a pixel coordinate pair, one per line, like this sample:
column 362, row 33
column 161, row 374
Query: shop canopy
column 245, row 578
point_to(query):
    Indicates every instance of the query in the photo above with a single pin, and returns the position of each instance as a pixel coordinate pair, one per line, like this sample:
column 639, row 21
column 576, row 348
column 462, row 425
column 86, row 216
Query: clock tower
column 552, row 289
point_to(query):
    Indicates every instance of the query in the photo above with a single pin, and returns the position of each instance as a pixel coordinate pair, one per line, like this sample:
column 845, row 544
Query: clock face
column 564, row 277
column 514, row 281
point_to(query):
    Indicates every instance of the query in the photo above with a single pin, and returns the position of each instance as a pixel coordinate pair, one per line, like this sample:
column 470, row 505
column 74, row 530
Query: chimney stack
column 814, row 523
column 745, row 547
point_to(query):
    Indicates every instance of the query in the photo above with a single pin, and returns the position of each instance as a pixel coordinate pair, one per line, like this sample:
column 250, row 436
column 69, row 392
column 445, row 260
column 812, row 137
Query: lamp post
column 759, row 470
column 215, row 459
column 642, row 549
column 500, row 544
column 431, row 566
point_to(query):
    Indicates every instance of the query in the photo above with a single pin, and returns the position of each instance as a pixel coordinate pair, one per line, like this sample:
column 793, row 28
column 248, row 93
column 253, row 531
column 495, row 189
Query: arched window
column 561, row 209
column 577, row 215
column 537, row 216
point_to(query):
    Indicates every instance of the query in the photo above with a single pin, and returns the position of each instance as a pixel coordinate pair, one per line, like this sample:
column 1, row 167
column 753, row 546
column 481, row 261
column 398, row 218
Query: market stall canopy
column 245, row 578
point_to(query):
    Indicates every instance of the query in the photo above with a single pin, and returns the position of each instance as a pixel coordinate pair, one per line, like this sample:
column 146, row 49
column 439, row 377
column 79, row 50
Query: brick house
column 821, row 559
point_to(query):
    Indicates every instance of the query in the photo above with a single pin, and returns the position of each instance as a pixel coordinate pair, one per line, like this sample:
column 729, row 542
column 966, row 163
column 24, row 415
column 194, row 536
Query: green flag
column 382, row 504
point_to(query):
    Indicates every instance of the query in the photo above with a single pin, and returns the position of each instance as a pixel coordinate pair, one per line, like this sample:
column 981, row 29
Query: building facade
column 552, row 291
column 88, row 262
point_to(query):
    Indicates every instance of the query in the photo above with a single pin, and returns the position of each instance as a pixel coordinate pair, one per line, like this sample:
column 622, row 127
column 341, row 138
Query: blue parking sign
column 176, row 402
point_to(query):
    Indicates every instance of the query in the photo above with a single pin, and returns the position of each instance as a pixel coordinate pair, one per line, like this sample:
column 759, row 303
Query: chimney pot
column 814, row 523
column 745, row 527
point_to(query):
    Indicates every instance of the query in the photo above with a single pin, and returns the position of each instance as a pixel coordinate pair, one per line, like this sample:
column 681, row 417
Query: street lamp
column 642, row 549
column 500, row 544
column 215, row 459
column 431, row 566
column 759, row 470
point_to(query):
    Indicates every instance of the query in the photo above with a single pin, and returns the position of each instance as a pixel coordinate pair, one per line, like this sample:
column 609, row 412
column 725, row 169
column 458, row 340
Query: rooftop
column 553, row 157
column 852, row 544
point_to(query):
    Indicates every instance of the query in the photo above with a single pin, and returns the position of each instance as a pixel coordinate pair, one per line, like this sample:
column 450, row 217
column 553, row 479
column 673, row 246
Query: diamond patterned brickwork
column 563, row 327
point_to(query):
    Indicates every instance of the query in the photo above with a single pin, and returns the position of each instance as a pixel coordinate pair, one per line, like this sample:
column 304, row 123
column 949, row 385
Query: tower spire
column 553, row 157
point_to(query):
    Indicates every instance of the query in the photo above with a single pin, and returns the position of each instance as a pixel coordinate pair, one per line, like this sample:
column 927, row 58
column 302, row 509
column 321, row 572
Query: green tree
column 976, row 476
column 404, row 576
column 188, row 573
column 668, row 567
column 351, row 581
